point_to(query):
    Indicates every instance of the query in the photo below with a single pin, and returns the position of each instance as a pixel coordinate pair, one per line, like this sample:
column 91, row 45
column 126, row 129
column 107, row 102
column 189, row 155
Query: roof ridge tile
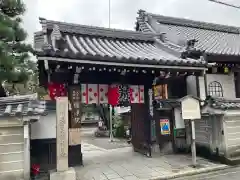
column 193, row 23
column 98, row 31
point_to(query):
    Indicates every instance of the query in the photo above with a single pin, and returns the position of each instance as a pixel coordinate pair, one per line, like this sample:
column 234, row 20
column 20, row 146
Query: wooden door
column 139, row 129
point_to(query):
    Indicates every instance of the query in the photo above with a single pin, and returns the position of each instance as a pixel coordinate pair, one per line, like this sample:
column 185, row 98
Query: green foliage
column 29, row 87
column 15, row 63
column 119, row 130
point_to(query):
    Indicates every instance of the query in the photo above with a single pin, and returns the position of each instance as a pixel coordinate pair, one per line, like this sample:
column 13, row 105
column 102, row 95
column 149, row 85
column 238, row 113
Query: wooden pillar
column 75, row 114
column 148, row 117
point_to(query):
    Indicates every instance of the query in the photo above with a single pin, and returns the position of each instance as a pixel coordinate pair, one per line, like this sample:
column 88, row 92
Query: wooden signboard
column 160, row 92
column 74, row 136
column 190, row 108
column 75, row 101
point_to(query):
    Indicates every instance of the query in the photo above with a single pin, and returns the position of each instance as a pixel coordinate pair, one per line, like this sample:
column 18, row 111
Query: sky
column 124, row 12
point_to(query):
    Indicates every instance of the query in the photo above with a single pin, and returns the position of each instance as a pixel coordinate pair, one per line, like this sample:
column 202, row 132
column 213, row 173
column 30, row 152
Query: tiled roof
column 18, row 106
column 212, row 38
column 102, row 44
column 224, row 104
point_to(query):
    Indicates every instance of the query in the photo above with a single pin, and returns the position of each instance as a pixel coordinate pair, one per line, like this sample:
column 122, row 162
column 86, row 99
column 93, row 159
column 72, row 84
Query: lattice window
column 215, row 89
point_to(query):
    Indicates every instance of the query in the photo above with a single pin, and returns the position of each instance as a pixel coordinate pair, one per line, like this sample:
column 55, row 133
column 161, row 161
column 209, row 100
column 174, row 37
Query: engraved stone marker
column 62, row 133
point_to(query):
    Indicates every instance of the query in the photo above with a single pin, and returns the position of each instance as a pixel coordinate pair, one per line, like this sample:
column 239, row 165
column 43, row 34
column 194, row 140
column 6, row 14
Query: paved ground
column 123, row 164
column 105, row 160
column 100, row 143
column 231, row 173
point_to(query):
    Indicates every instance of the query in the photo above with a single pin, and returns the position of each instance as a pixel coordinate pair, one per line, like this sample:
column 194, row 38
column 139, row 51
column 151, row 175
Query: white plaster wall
column 191, row 85
column 179, row 122
column 202, row 90
column 227, row 82
column 45, row 128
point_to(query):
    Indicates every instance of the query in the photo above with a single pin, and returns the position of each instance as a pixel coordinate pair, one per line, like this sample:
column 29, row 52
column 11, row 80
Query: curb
column 192, row 172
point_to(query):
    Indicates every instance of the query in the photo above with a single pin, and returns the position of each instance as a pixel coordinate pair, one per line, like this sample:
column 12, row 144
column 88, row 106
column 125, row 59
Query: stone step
column 12, row 175
column 11, row 138
column 11, row 165
column 11, row 147
column 13, row 156
column 233, row 161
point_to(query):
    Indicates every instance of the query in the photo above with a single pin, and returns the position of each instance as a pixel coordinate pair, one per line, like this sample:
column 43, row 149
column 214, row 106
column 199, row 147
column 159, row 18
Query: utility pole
column 225, row 4
column 111, row 108
column 109, row 13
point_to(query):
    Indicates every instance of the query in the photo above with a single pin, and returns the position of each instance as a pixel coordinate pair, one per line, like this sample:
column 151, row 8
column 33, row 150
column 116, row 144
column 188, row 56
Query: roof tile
column 224, row 104
column 85, row 42
column 18, row 106
column 212, row 38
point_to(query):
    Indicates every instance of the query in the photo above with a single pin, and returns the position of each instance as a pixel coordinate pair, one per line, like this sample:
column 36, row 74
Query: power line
column 225, row 4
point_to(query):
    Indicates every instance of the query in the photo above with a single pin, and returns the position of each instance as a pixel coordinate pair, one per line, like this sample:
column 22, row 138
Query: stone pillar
column 26, row 151
column 63, row 172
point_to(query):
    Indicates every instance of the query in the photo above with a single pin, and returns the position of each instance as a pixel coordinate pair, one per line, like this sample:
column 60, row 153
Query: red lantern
column 118, row 95
column 56, row 90
column 113, row 95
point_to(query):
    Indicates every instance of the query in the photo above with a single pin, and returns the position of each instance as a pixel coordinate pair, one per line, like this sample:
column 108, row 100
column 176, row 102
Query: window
column 215, row 89
column 161, row 91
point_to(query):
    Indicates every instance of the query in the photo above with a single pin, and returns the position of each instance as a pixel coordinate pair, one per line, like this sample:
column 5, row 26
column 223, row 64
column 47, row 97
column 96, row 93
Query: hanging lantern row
column 124, row 71
column 227, row 65
column 226, row 69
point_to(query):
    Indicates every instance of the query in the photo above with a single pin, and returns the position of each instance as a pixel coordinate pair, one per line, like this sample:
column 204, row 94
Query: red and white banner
column 94, row 93
column 136, row 94
column 111, row 94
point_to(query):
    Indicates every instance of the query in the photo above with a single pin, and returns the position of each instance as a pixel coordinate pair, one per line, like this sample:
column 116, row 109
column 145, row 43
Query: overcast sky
column 124, row 12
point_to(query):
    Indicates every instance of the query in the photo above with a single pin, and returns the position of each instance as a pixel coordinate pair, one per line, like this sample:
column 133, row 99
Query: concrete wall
column 231, row 126
column 11, row 149
column 45, row 128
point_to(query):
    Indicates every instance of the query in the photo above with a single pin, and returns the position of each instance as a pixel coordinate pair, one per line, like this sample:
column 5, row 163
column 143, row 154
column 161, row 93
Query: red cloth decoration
column 113, row 95
column 56, row 90
column 35, row 169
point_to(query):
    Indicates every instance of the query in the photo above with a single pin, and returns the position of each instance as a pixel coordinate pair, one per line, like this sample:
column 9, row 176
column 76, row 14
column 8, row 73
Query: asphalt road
column 232, row 173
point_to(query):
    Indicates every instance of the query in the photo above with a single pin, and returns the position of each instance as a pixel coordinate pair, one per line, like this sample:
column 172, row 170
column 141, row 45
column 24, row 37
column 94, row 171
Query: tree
column 15, row 63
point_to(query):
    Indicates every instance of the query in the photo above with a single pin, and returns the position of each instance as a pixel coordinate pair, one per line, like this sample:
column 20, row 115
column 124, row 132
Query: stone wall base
column 70, row 174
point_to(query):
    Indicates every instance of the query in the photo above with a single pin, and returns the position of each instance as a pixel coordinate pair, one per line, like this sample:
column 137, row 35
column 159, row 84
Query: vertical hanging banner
column 75, row 100
column 165, row 126
column 103, row 93
column 136, row 94
column 94, row 93
column 119, row 94
column 113, row 95
column 124, row 95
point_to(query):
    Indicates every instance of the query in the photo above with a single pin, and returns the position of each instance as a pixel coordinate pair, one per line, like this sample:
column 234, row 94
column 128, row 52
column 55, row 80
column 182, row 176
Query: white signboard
column 190, row 108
